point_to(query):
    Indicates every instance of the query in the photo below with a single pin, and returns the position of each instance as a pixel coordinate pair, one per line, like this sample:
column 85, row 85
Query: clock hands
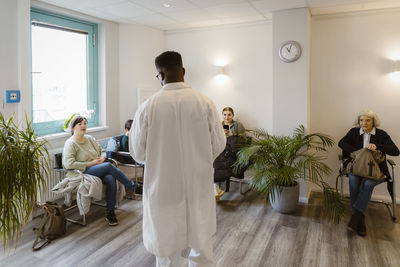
column 290, row 51
column 289, row 48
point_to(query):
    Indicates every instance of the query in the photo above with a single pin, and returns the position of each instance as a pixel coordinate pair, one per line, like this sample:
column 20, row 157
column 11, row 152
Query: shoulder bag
column 52, row 225
column 365, row 163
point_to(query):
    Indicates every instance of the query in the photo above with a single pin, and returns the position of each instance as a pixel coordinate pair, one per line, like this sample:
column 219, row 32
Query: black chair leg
column 390, row 188
column 228, row 183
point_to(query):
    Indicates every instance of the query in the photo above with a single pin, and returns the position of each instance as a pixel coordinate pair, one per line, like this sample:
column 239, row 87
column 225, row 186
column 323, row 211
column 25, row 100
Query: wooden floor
column 249, row 234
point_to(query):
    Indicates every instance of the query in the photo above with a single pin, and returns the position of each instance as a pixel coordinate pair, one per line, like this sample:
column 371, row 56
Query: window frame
column 61, row 21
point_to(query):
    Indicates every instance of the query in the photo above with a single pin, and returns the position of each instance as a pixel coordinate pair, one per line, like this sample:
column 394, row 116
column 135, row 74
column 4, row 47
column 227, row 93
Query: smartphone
column 226, row 127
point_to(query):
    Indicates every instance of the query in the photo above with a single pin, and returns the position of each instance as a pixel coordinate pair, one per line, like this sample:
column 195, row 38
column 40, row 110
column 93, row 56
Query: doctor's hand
column 371, row 147
column 96, row 161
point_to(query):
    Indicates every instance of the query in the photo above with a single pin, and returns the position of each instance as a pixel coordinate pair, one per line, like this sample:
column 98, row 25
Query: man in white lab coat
column 177, row 134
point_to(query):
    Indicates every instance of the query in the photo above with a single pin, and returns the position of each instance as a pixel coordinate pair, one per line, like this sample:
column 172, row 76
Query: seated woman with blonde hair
column 365, row 135
column 232, row 128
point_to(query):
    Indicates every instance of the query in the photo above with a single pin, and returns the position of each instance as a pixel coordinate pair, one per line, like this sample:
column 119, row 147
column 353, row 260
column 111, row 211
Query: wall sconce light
column 396, row 65
column 394, row 71
column 221, row 70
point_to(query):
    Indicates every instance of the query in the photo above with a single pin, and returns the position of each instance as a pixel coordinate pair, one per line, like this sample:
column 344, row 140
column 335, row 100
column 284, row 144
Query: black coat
column 223, row 168
column 354, row 141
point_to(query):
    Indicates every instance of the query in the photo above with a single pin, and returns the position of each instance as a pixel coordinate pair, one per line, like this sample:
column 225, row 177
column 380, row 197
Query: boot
column 362, row 229
column 354, row 222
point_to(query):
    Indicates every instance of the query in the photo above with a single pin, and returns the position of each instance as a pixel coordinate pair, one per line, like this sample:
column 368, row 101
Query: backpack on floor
column 52, row 225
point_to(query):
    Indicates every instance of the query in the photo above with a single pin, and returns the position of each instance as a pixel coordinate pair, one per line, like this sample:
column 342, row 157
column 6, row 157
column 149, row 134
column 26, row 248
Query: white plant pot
column 287, row 200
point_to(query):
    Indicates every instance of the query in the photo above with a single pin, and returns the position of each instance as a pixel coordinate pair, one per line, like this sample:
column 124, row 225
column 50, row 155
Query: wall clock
column 290, row 51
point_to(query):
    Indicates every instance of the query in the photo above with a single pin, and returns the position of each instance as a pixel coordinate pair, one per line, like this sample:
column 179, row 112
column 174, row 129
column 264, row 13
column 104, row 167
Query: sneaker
column 354, row 222
column 218, row 192
column 130, row 190
column 111, row 219
column 132, row 187
column 362, row 228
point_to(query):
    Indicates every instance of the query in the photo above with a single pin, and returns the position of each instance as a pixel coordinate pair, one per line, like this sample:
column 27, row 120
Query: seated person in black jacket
column 365, row 135
column 223, row 164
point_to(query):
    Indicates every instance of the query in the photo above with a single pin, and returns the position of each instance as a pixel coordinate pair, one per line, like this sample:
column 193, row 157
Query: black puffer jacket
column 223, row 169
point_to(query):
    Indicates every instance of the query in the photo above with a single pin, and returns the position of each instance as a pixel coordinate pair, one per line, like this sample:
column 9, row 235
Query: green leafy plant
column 23, row 170
column 67, row 121
column 279, row 161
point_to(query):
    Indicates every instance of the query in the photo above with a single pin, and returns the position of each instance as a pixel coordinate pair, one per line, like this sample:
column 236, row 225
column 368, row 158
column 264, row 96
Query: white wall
column 246, row 49
column 350, row 65
column 138, row 46
column 291, row 80
column 9, row 48
column 15, row 63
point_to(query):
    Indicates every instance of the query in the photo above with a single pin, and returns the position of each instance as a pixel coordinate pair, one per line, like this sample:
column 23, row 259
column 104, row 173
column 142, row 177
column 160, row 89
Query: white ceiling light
column 166, row 5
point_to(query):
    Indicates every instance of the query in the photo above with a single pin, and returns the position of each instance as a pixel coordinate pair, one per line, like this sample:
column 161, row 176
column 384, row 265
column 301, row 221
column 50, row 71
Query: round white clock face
column 290, row 51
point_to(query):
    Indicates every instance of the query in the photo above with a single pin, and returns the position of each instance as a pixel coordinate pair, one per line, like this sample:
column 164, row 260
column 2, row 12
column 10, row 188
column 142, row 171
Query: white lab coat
column 177, row 134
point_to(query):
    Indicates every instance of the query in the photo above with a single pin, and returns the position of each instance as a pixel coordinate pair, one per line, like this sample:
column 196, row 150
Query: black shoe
column 354, row 222
column 131, row 188
column 111, row 219
column 362, row 228
column 139, row 189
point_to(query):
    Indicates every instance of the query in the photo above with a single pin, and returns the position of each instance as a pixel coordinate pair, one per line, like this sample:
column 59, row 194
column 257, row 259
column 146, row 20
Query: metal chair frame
column 61, row 173
column 135, row 165
column 241, row 183
column 391, row 206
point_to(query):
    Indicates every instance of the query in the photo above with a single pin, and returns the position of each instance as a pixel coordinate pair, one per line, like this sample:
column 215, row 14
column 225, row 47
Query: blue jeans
column 108, row 173
column 360, row 193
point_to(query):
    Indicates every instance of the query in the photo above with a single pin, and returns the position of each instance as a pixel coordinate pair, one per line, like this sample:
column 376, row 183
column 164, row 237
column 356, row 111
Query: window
column 64, row 71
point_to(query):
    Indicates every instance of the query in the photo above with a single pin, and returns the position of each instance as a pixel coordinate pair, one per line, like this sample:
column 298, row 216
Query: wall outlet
column 13, row 96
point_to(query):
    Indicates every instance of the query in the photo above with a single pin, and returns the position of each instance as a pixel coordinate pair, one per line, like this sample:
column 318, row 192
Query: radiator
column 54, row 178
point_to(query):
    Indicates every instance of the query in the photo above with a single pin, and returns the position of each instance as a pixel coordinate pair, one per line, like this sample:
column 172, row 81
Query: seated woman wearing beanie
column 82, row 152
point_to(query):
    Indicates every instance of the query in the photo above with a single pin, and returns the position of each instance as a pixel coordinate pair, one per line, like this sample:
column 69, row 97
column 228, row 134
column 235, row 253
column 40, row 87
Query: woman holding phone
column 232, row 128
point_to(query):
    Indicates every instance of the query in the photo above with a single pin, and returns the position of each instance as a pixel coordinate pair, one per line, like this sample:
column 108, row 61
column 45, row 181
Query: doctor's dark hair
column 128, row 124
column 75, row 121
column 169, row 60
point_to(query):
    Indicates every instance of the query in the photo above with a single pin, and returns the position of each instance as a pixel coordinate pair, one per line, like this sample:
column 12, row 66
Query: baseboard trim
column 384, row 198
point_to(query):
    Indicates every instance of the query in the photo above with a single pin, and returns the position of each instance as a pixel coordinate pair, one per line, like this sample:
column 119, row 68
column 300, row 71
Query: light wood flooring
column 249, row 234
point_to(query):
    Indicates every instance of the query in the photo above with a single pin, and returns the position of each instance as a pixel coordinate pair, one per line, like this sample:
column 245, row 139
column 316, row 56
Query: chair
column 391, row 185
column 122, row 158
column 223, row 170
column 241, row 182
column 60, row 174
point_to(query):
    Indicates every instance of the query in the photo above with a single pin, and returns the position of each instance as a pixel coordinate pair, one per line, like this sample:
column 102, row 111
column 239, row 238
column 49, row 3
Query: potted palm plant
column 278, row 162
column 23, row 170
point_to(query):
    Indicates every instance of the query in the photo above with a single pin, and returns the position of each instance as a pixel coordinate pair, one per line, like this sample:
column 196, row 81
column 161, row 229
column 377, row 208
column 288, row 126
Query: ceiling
column 183, row 14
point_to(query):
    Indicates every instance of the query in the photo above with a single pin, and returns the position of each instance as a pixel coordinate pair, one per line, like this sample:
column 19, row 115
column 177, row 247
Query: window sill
column 66, row 134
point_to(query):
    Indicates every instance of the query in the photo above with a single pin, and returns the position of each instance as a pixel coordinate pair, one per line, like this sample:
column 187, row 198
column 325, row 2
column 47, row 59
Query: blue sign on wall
column 13, row 96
